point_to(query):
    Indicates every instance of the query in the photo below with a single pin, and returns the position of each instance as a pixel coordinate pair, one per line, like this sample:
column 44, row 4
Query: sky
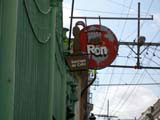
column 124, row 101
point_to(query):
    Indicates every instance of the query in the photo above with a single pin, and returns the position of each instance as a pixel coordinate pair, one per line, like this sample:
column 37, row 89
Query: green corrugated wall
column 8, row 26
column 33, row 74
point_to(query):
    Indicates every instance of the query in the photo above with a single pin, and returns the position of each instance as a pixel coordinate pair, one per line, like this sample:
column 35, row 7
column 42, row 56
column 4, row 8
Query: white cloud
column 157, row 18
column 156, row 22
column 66, row 15
column 130, row 107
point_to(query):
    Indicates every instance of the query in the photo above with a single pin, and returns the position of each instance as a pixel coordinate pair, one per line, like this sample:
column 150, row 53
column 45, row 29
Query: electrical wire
column 123, row 70
column 139, row 81
column 120, row 16
column 113, row 68
column 125, row 56
column 96, row 11
column 124, row 26
column 120, row 37
column 99, row 90
column 152, row 78
column 155, row 48
column 122, row 104
column 125, row 101
column 120, row 4
column 106, row 94
column 149, row 8
column 156, row 83
column 132, row 93
column 153, row 61
column 158, row 57
column 143, row 23
column 120, row 80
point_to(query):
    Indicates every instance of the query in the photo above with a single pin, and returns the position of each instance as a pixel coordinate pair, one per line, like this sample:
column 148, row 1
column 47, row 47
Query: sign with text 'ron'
column 77, row 62
column 101, row 45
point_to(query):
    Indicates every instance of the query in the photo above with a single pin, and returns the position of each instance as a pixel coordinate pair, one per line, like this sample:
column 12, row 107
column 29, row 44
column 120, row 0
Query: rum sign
column 100, row 44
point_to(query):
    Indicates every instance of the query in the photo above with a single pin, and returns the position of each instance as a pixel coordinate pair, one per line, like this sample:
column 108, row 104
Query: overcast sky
column 125, row 101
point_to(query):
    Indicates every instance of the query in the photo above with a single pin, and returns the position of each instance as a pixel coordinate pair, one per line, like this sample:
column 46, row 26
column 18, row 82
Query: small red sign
column 101, row 45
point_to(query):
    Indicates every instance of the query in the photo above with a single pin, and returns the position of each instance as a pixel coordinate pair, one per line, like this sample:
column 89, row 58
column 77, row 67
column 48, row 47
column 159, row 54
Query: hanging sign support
column 138, row 41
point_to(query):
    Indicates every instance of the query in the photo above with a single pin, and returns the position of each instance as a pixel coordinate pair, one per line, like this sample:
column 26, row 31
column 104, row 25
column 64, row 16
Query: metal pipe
column 112, row 18
column 71, row 20
column 86, row 88
column 135, row 67
column 144, row 44
column 142, row 84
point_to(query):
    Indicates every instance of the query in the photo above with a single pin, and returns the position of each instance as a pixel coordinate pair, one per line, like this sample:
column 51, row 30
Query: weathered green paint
column 33, row 62
column 52, row 59
column 60, row 70
column 33, row 75
column 8, row 23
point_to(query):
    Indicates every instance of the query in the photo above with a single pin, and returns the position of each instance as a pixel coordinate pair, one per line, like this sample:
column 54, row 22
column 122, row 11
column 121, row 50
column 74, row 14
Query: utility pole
column 108, row 109
column 138, row 38
column 108, row 116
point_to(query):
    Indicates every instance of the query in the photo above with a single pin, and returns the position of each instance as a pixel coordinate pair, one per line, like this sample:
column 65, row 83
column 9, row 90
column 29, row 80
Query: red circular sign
column 101, row 45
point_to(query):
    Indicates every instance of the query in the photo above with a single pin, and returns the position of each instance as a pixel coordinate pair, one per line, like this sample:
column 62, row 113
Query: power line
column 124, row 26
column 152, row 78
column 132, row 89
column 154, row 37
column 96, row 11
column 125, row 56
column 143, row 21
column 107, row 90
column 153, row 61
column 158, row 57
column 155, row 48
column 122, row 102
column 129, row 52
column 148, row 11
column 120, row 80
column 121, row 16
column 142, row 25
column 120, row 4
column 131, row 92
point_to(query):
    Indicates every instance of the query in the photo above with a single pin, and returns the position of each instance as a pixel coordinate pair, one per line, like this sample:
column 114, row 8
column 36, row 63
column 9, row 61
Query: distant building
column 152, row 113
column 147, row 115
column 156, row 112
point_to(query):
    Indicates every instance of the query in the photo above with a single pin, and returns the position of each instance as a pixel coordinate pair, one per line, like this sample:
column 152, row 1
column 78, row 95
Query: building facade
column 152, row 113
column 35, row 82
column 156, row 112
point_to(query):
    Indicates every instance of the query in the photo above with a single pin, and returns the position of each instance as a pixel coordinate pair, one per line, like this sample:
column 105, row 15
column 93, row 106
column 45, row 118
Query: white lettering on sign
column 92, row 49
column 78, row 63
